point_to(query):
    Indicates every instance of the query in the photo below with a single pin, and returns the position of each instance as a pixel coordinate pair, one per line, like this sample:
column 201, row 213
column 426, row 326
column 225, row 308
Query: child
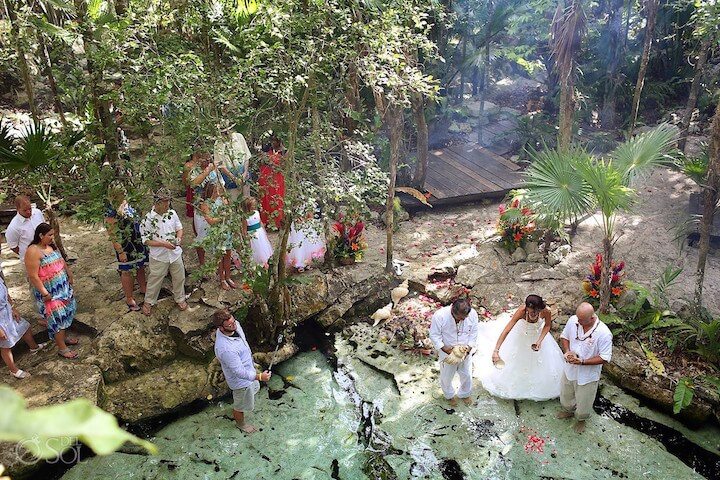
column 261, row 248
column 307, row 242
column 12, row 329
column 211, row 208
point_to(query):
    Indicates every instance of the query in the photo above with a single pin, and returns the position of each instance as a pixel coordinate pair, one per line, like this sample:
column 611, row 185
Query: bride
column 528, row 362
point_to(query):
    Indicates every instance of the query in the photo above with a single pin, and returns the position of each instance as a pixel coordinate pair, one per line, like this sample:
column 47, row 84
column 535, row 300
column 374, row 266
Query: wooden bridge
column 466, row 173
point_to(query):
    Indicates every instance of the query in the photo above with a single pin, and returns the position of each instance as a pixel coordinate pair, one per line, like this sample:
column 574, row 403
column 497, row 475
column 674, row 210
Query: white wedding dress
column 527, row 374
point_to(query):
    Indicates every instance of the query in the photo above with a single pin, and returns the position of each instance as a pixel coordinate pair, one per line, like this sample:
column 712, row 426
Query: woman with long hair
column 51, row 282
column 211, row 209
column 527, row 362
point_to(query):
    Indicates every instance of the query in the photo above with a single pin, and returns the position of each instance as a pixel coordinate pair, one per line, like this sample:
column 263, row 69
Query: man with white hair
column 587, row 344
column 455, row 326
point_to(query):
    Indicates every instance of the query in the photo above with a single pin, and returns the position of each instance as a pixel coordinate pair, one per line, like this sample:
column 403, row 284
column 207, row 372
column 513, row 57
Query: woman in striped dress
column 51, row 282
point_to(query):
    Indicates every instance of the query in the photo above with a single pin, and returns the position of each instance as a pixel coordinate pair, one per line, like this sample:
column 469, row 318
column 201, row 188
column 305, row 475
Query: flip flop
column 33, row 351
column 231, row 283
column 133, row 307
column 182, row 306
column 20, row 374
column 224, row 285
column 146, row 309
column 68, row 354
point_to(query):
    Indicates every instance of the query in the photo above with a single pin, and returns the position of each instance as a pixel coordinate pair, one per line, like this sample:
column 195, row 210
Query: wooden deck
column 469, row 172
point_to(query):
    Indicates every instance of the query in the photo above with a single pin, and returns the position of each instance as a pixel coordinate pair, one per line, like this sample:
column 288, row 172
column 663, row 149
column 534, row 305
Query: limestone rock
column 470, row 274
column 535, row 258
column 133, row 343
column 445, row 292
column 558, row 255
column 544, row 273
column 358, row 300
column 182, row 381
column 310, row 297
column 519, row 255
column 192, row 331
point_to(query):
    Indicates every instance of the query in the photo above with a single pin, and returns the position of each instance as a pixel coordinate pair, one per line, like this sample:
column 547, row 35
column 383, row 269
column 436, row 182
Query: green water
column 311, row 432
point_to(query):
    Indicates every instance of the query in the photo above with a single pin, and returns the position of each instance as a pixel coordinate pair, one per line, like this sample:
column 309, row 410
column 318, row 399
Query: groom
column 452, row 326
column 587, row 344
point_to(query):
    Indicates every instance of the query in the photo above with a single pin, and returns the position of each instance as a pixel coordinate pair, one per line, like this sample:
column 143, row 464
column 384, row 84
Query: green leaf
column 684, row 392
column 640, row 154
column 45, row 431
column 53, row 31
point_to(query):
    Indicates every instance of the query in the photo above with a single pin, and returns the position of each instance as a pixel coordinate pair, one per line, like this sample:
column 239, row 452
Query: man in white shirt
column 587, row 344
column 232, row 157
column 162, row 231
column 22, row 227
column 451, row 326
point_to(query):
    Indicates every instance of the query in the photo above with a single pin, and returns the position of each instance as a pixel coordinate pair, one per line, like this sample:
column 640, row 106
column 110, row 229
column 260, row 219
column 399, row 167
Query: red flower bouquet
column 515, row 225
column 348, row 241
column 591, row 284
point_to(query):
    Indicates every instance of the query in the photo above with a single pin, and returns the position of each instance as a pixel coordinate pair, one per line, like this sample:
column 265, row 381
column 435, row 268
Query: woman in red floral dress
column 272, row 185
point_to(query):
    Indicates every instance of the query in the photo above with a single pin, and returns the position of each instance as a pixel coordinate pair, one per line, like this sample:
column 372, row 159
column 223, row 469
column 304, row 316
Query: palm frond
column 639, row 155
column 568, row 27
column 608, row 188
column 34, row 150
column 553, row 184
column 696, row 167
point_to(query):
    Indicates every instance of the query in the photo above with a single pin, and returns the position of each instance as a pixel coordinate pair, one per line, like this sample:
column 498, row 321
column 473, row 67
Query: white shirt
column 231, row 154
column 162, row 227
column 444, row 331
column 587, row 344
column 21, row 231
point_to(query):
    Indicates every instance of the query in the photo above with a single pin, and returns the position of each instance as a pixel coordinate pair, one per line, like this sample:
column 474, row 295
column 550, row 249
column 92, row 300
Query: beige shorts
column 244, row 398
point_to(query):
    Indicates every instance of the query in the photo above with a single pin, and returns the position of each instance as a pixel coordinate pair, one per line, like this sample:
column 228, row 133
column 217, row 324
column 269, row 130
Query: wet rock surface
column 380, row 414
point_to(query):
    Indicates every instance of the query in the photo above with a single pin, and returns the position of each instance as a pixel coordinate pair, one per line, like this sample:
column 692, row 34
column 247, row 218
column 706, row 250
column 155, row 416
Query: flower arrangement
column 515, row 225
column 591, row 284
column 348, row 242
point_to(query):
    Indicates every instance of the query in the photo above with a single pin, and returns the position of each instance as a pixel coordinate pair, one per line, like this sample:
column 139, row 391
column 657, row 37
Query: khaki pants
column 578, row 398
column 158, row 271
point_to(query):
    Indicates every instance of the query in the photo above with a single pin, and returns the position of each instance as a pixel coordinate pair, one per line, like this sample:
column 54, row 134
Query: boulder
column 628, row 370
column 182, row 380
column 192, row 331
column 357, row 300
column 558, row 255
column 471, row 274
column 133, row 343
column 535, row 258
column 308, row 297
column 519, row 255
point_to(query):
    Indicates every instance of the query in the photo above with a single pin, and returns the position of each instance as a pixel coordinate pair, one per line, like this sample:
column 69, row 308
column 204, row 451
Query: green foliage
column 47, row 431
column 638, row 155
column 695, row 167
column 684, row 391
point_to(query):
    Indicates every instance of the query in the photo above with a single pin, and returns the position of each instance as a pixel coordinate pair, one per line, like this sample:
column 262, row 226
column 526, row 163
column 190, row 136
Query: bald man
column 22, row 227
column 587, row 344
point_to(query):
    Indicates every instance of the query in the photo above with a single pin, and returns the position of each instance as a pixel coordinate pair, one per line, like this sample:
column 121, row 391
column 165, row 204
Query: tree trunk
column 483, row 93
column 22, row 59
column 567, row 108
column 47, row 70
column 461, row 95
column 608, row 116
column 710, row 200
column 628, row 14
column 606, row 276
column 651, row 9
column 107, row 128
column 475, row 79
column 422, row 141
column 694, row 91
column 395, row 127
column 55, row 225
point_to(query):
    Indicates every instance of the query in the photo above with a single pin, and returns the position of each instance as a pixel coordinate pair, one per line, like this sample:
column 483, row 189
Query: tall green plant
column 568, row 183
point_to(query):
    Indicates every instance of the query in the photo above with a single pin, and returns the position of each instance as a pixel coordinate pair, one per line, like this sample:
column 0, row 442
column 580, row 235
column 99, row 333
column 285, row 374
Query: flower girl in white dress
column 259, row 244
column 306, row 242
column 526, row 362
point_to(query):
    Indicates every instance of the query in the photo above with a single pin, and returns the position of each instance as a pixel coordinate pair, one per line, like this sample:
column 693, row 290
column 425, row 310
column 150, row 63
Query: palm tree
column 562, row 185
column 568, row 27
column 35, row 153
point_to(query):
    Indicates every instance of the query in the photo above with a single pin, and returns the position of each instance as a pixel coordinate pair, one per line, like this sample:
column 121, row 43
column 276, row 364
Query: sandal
column 71, row 341
column 20, row 374
column 133, row 307
column 224, row 285
column 67, row 353
column 231, row 283
column 182, row 306
column 33, row 351
column 146, row 309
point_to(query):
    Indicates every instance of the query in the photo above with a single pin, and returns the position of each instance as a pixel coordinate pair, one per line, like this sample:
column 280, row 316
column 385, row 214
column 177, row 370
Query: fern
column 684, row 391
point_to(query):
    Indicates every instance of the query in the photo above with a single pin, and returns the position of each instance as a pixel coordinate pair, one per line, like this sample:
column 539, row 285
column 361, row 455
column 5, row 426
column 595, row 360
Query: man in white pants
column 587, row 344
column 452, row 326
column 162, row 231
